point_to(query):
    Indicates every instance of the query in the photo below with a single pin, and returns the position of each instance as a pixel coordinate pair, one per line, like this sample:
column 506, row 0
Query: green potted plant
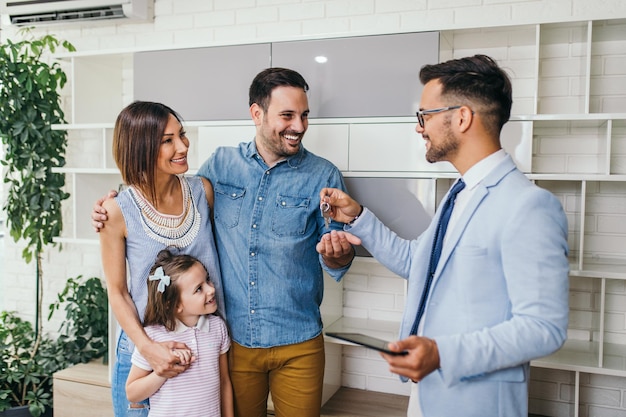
column 85, row 331
column 30, row 104
column 29, row 360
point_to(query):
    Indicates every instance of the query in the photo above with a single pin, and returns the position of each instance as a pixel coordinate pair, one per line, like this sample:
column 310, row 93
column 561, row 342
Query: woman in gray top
column 160, row 208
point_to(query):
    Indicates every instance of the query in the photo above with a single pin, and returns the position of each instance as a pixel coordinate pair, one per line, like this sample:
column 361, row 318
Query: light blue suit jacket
column 499, row 297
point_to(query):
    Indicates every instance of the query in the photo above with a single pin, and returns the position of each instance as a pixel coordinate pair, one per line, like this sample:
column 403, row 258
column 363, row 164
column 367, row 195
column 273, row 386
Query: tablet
column 365, row 340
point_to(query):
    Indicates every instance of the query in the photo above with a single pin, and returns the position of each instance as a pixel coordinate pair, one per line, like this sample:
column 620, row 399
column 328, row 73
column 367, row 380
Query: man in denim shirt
column 267, row 227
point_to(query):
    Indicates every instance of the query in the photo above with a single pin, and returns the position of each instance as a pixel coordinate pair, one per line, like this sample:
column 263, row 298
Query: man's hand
column 422, row 359
column 342, row 207
column 99, row 214
column 336, row 248
column 167, row 358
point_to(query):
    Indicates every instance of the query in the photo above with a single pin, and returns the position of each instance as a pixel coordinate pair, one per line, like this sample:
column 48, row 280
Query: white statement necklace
column 171, row 230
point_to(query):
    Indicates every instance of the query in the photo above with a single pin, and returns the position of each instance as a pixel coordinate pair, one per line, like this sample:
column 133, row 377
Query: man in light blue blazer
column 498, row 296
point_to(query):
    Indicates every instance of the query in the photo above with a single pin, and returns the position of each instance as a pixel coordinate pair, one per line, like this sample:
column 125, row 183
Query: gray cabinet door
column 201, row 83
column 368, row 76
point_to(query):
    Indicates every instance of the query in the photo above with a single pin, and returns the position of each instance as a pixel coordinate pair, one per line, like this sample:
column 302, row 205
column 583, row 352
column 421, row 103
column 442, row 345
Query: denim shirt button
column 251, row 311
column 252, row 253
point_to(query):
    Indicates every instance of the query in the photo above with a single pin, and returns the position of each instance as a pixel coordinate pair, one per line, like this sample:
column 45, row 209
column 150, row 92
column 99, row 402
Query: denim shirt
column 267, row 223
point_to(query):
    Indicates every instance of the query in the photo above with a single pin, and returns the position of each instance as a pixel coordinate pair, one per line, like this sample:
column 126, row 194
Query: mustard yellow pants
column 294, row 374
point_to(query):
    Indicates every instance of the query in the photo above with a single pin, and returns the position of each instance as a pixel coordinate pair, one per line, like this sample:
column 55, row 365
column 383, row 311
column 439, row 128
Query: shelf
column 78, row 241
column 575, row 355
column 394, row 174
column 101, row 171
column 600, row 268
column 576, row 177
column 364, row 120
column 583, row 356
column 95, row 171
column 569, row 117
column 403, row 174
column 83, row 126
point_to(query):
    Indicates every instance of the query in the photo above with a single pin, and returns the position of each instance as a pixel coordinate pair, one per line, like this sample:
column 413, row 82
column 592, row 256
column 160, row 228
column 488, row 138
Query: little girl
column 181, row 303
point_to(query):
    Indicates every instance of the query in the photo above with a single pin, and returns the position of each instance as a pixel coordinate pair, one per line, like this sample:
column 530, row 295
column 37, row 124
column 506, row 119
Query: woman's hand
column 164, row 359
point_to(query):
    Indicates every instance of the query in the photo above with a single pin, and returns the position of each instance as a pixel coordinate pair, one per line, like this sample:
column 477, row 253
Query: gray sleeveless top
column 191, row 234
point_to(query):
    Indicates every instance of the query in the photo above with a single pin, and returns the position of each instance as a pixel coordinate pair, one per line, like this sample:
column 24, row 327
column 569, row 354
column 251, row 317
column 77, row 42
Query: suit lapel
column 481, row 192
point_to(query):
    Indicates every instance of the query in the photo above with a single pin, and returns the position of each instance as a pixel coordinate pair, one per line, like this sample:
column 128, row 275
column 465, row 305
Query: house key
column 325, row 209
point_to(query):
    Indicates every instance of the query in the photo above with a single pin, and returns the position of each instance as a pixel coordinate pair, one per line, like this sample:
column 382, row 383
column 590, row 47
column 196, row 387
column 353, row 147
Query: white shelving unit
column 568, row 133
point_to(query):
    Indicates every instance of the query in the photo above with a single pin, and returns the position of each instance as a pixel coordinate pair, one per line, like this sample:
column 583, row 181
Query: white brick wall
column 59, row 264
column 553, row 392
column 370, row 291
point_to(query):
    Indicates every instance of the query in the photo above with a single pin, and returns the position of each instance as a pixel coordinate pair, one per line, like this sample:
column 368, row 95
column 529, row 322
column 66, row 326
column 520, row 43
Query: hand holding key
column 342, row 208
column 336, row 246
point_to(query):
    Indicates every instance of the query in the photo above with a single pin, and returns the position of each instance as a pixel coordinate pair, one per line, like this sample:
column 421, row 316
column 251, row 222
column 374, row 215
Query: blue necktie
column 435, row 254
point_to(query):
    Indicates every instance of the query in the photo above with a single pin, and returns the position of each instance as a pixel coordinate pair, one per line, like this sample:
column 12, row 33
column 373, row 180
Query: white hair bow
column 164, row 280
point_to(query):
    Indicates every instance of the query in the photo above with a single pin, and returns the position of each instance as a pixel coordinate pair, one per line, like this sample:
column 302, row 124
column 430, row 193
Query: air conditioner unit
column 37, row 12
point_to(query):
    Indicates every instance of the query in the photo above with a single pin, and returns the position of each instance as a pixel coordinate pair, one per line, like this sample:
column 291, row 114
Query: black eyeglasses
column 420, row 113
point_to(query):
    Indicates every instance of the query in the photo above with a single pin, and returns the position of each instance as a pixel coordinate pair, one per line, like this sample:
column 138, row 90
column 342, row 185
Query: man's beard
column 443, row 150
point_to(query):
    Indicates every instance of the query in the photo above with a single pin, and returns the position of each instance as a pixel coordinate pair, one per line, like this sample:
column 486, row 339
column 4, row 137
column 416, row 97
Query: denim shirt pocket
column 290, row 215
column 228, row 202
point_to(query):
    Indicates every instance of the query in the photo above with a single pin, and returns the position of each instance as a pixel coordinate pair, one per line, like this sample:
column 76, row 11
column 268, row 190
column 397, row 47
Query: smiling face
column 196, row 295
column 173, row 150
column 441, row 142
column 280, row 129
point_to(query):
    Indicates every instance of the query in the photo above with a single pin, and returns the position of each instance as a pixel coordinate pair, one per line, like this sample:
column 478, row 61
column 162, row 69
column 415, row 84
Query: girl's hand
column 185, row 356
column 163, row 360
